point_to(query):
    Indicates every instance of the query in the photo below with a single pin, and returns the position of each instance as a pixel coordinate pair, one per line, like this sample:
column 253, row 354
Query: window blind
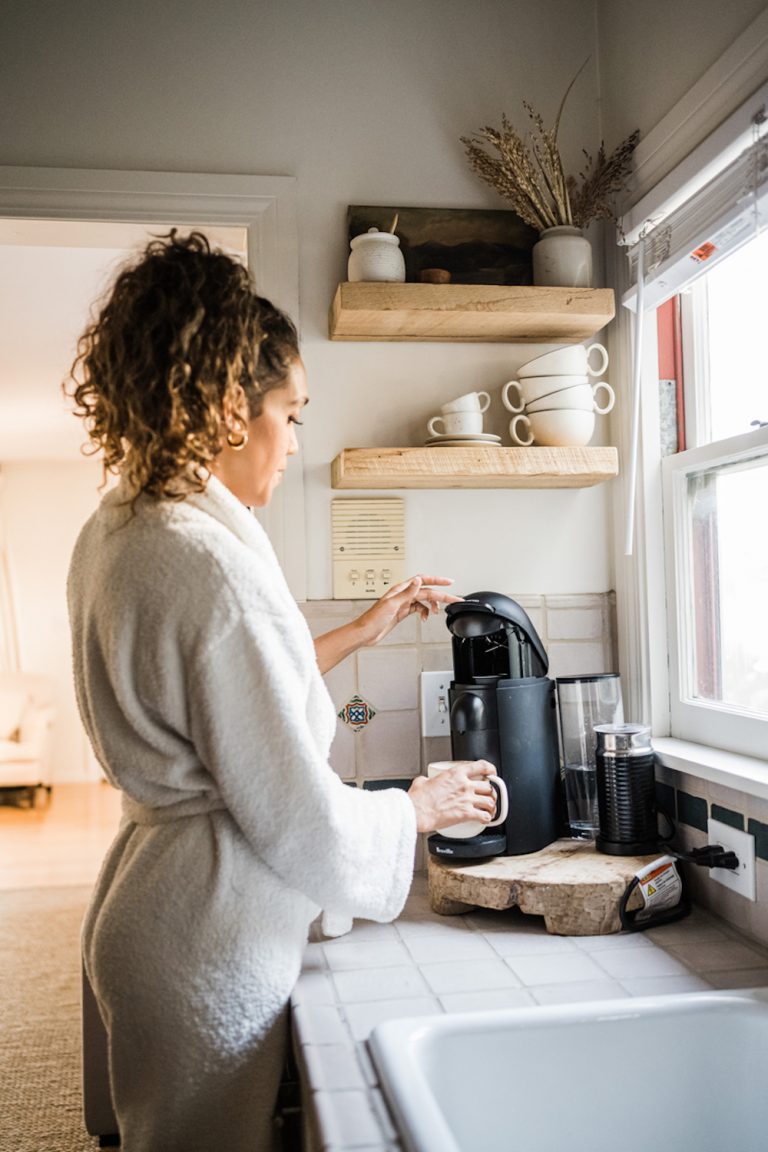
column 700, row 217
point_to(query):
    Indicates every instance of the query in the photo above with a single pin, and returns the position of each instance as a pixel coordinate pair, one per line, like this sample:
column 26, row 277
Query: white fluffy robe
column 198, row 686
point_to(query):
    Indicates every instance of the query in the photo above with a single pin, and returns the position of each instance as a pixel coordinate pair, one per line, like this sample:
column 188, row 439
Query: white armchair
column 26, row 721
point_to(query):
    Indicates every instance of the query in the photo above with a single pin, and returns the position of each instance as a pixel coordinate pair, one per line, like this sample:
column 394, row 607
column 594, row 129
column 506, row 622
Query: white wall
column 364, row 102
column 652, row 52
column 43, row 506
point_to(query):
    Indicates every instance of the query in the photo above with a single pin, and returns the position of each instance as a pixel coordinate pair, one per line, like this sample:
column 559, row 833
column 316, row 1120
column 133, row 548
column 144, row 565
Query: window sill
column 743, row 773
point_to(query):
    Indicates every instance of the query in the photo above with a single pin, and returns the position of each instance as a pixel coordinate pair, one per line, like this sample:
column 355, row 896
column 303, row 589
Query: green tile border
column 760, row 833
column 727, row 816
column 692, row 810
column 380, row 785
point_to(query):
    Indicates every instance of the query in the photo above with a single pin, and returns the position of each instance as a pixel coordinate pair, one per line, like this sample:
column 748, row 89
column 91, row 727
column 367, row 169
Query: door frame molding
column 264, row 205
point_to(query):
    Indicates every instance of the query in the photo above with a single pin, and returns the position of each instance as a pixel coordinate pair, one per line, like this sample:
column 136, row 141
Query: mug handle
column 486, row 406
column 520, row 418
column 432, row 430
column 508, row 404
column 502, row 801
column 611, row 397
column 603, row 360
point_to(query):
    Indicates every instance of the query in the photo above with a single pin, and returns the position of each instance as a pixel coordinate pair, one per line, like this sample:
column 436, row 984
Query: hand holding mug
column 459, row 798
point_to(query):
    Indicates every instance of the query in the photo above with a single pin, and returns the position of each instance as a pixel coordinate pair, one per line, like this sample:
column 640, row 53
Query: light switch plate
column 435, row 710
column 742, row 879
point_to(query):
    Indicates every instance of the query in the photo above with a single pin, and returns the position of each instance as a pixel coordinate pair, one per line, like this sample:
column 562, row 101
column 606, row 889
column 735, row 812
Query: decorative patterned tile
column 357, row 713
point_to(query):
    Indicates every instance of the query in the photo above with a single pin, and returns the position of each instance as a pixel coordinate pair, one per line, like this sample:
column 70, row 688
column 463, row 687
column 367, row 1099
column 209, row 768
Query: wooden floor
column 60, row 843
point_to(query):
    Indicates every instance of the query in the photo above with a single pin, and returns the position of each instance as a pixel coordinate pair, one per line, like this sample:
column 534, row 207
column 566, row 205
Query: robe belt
column 138, row 813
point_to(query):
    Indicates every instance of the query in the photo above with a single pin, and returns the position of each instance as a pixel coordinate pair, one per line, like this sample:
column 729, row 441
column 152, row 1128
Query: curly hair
column 180, row 333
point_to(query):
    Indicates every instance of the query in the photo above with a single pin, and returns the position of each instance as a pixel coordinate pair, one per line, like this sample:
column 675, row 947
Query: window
column 715, row 503
column 690, row 499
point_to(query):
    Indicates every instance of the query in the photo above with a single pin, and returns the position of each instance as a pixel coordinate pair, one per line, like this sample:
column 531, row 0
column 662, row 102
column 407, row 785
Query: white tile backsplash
column 577, row 658
column 576, row 630
column 389, row 746
column 575, row 624
column 388, row 678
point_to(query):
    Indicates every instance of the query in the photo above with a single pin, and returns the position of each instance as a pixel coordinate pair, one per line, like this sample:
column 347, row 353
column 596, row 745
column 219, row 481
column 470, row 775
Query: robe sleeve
column 349, row 851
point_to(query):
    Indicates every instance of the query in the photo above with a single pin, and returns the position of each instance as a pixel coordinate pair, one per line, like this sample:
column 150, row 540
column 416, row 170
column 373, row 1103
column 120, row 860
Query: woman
column 201, row 692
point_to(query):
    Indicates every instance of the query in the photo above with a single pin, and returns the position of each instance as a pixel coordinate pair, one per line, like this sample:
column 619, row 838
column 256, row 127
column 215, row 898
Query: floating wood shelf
column 475, row 466
column 468, row 312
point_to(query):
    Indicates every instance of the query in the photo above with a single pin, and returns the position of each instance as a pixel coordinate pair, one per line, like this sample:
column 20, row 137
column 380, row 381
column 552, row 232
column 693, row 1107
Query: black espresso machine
column 503, row 709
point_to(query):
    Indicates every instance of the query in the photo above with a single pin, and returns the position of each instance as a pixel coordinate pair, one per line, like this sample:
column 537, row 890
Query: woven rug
column 40, row 1082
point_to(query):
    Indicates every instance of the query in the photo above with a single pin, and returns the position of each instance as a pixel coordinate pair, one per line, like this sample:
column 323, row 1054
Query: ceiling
column 51, row 273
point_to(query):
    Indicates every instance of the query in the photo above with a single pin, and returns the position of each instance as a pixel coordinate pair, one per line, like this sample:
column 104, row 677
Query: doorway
column 63, row 233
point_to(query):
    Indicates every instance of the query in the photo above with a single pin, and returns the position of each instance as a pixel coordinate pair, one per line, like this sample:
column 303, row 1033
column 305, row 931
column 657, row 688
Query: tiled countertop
column 424, row 964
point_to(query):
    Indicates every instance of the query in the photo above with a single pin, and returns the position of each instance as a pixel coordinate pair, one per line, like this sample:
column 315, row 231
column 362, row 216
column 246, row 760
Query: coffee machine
column 503, row 709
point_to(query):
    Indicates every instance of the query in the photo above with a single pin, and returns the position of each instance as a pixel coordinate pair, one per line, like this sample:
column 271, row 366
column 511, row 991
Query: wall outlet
column 741, row 879
column 435, row 710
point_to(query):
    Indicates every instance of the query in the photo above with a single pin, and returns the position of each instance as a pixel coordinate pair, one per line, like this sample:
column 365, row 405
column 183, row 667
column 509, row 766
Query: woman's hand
column 457, row 794
column 414, row 595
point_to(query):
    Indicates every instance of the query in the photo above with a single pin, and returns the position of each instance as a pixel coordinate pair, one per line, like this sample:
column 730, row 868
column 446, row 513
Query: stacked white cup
column 460, row 417
column 554, row 398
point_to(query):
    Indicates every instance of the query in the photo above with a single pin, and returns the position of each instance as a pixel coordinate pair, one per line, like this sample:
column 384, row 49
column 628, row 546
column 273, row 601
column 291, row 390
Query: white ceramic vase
column 375, row 256
column 562, row 257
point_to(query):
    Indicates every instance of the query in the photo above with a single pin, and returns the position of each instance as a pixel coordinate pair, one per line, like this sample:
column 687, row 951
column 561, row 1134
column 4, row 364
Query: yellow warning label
column 651, row 890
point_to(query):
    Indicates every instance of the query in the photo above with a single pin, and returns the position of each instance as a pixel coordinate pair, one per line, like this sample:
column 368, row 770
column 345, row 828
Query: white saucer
column 456, row 438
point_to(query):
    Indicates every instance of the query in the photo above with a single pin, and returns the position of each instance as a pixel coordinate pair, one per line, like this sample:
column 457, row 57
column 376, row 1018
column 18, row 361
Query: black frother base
column 473, row 848
column 635, row 848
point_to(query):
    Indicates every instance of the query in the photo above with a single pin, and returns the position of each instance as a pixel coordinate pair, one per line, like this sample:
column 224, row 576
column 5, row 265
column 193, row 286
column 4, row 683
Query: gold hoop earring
column 237, row 437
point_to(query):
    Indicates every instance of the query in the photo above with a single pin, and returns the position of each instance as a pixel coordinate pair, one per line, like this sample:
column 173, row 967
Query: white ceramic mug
column 553, row 428
column 470, row 402
column 533, row 388
column 567, row 360
column 583, row 396
column 463, row 423
column 469, row 828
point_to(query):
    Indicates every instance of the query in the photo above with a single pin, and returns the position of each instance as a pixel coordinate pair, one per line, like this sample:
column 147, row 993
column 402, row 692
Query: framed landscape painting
column 454, row 245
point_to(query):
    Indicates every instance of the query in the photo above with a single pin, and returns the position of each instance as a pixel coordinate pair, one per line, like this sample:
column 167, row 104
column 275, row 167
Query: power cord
column 710, row 856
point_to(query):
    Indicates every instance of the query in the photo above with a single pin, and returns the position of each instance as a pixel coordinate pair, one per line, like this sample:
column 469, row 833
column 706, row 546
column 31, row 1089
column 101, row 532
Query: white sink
column 678, row 1073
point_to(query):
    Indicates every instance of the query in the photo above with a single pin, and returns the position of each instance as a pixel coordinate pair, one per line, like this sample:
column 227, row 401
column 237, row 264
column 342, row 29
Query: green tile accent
column 665, row 797
column 692, row 810
column 760, row 833
column 727, row 816
column 380, row 785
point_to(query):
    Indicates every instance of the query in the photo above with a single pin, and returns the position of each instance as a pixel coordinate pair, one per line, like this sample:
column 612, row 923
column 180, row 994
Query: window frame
column 685, row 140
column 708, row 722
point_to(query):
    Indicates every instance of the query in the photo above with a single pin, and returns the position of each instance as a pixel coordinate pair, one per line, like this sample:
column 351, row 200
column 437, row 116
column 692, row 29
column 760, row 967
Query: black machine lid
column 482, row 613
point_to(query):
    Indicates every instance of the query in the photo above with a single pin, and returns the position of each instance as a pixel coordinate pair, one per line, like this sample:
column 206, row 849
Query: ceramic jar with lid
column 375, row 256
